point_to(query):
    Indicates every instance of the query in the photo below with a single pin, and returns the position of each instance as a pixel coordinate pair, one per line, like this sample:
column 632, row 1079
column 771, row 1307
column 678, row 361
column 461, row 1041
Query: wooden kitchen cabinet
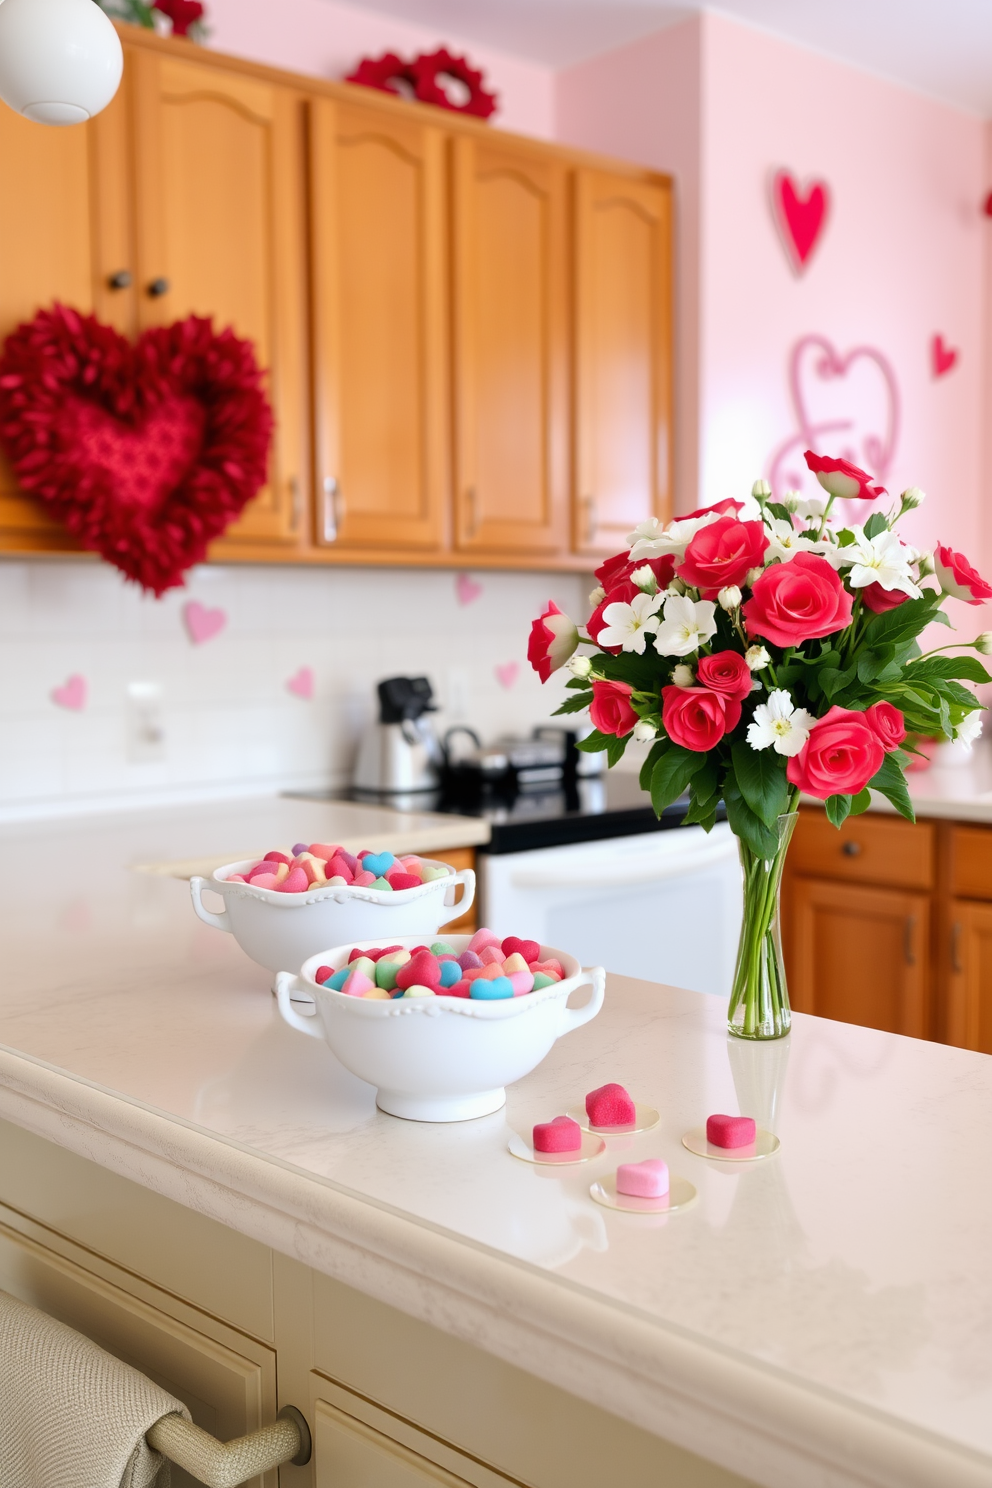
column 510, row 302
column 969, row 1002
column 623, row 393
column 379, row 252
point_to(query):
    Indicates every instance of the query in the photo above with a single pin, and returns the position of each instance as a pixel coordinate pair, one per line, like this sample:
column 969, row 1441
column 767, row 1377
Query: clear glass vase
column 759, row 1003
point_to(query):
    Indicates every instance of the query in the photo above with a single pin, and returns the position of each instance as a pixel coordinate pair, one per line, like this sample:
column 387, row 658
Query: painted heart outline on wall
column 800, row 214
column 815, row 365
column 146, row 452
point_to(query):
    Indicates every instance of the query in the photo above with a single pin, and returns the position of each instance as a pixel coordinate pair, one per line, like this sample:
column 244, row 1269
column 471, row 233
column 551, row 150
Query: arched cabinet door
column 219, row 220
column 623, row 350
column 510, row 348
column 377, row 182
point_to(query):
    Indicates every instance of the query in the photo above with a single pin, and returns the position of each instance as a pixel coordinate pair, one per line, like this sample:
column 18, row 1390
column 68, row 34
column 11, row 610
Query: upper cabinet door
column 219, row 210
column 622, row 358
column 380, row 363
column 511, row 349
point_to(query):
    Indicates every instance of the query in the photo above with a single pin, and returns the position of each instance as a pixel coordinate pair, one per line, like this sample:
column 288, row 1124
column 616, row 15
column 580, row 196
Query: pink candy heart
column 610, row 1105
column 560, row 1135
column 72, row 693
column 730, row 1131
column 202, row 624
column 643, row 1180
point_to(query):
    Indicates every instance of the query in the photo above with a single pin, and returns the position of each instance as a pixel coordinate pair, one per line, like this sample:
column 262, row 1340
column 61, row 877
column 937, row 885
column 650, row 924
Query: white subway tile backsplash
column 231, row 725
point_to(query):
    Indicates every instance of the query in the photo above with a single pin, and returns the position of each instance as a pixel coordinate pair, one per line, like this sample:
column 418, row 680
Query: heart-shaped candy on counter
column 560, row 1135
column 643, row 1180
column 529, row 949
column 378, row 864
column 422, row 969
column 610, row 1105
column 730, row 1131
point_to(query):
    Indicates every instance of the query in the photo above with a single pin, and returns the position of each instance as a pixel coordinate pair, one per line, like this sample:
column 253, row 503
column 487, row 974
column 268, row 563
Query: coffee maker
column 400, row 752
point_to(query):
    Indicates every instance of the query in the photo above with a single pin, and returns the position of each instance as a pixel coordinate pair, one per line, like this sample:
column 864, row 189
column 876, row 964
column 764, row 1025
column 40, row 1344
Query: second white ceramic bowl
column 438, row 1058
column 280, row 930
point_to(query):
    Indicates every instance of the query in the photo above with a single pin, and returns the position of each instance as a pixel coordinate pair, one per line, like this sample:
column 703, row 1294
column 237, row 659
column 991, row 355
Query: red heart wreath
column 146, row 452
column 421, row 78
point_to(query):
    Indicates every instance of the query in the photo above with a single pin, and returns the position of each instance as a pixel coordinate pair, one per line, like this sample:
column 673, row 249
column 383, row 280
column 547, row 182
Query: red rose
column 841, row 478
column 697, row 718
column 723, row 553
column 730, row 505
column 888, row 723
column 610, row 708
column 797, row 601
column 879, row 600
column 553, row 638
column 958, row 578
column 840, row 756
column 726, row 673
column 615, row 570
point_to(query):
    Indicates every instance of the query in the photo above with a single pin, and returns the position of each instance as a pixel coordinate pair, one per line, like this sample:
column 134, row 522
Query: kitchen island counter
column 820, row 1318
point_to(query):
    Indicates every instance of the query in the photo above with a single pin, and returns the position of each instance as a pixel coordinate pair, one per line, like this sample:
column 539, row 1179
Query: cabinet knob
column 123, row 279
column 159, row 287
column 851, row 849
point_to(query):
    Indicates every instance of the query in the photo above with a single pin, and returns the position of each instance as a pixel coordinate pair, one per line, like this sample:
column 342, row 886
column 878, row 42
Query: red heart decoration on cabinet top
column 801, row 215
column 146, row 452
column 942, row 356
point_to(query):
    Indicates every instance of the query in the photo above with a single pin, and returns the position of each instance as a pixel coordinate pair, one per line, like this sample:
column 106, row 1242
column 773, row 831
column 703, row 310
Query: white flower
column 644, row 579
column 882, row 559
column 682, row 675
column 757, row 658
column 970, row 728
column 761, row 489
column 780, row 725
column 597, row 595
column 925, row 565
column 729, row 598
column 580, row 666
column 628, row 625
column 791, row 501
column 651, row 540
column 784, row 542
column 912, row 498
column 687, row 625
column 812, row 506
column 983, row 643
column 644, row 732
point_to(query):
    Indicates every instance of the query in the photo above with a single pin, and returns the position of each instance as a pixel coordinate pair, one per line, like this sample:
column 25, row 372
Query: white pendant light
column 60, row 60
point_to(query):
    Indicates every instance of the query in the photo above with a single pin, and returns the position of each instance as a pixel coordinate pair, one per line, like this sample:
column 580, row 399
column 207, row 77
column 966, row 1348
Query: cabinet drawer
column 868, row 849
column 971, row 862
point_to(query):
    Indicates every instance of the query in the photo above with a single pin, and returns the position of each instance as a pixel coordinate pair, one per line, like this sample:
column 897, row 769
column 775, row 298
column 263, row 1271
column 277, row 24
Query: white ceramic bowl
column 279, row 930
column 438, row 1058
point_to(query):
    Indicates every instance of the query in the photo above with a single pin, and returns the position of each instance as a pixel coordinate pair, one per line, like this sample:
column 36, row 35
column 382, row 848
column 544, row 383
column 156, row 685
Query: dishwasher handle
column 595, row 874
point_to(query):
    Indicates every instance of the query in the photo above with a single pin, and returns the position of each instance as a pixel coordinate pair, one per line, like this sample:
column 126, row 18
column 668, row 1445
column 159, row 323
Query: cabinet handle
column 296, row 503
column 956, row 963
column 592, row 520
column 159, row 287
column 471, row 501
column 907, row 940
column 121, row 280
column 333, row 507
column 851, row 849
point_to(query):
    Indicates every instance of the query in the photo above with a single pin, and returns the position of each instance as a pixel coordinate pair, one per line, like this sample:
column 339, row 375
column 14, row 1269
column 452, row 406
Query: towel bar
column 225, row 1464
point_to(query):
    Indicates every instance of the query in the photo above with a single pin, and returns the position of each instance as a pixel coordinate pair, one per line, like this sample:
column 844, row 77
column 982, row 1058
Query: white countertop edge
column 748, row 1418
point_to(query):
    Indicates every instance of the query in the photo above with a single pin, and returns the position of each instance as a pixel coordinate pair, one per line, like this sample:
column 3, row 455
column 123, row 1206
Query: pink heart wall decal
column 202, row 624
column 301, row 684
column 72, row 693
column 800, row 215
column 506, row 673
column 942, row 356
column 467, row 589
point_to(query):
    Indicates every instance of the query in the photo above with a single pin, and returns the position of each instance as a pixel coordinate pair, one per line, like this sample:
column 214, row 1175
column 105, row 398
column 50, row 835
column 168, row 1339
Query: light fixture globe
column 60, row 60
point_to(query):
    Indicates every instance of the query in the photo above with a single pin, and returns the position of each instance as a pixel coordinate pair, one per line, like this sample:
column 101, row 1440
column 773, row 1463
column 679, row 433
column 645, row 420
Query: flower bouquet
column 766, row 650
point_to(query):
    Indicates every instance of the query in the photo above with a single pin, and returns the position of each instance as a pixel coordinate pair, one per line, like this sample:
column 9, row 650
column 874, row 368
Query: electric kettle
column 400, row 752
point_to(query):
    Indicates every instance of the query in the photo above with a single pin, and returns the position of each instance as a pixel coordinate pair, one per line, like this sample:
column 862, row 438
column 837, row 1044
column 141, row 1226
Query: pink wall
column 326, row 39
column 643, row 103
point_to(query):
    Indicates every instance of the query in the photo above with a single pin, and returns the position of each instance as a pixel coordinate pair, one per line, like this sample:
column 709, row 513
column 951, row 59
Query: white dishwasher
column 662, row 905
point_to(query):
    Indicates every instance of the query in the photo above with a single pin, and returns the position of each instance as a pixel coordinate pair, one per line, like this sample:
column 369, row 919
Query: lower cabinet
column 350, row 1452
column 969, row 1004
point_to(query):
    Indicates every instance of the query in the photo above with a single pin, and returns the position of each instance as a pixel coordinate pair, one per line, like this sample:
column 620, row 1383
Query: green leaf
column 778, row 510
column 671, row 775
column 891, row 783
column 744, row 824
column 968, row 668
column 701, row 813
column 845, row 538
column 761, row 777
column 615, row 748
column 594, row 743
column 860, row 802
column 838, row 809
column 574, row 683
column 901, row 624
column 705, row 784
column 658, row 748
column 832, row 681
column 875, row 524
column 871, row 664
column 574, row 704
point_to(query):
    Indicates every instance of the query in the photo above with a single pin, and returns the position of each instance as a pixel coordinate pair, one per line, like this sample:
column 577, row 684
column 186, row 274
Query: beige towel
column 72, row 1416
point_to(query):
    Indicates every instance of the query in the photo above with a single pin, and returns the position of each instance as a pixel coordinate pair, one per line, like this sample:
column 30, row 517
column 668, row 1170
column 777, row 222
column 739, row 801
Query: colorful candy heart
column 378, row 864
column 529, row 949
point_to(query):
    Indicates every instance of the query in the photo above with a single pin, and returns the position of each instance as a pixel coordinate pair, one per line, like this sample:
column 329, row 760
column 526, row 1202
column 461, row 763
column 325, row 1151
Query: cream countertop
column 820, row 1319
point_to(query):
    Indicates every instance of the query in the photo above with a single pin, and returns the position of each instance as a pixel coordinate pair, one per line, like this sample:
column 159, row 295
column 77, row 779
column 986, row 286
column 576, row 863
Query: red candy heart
column 459, row 989
column 402, row 881
column 276, row 857
column 338, row 867
column 610, row 1105
column 354, row 954
column 560, row 1135
column 529, row 949
column 322, row 973
column 730, row 1131
column 422, row 970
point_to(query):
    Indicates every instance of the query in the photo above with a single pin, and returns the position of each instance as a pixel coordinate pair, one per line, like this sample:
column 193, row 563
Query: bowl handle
column 464, row 876
column 594, row 977
column 286, row 985
column 220, row 921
